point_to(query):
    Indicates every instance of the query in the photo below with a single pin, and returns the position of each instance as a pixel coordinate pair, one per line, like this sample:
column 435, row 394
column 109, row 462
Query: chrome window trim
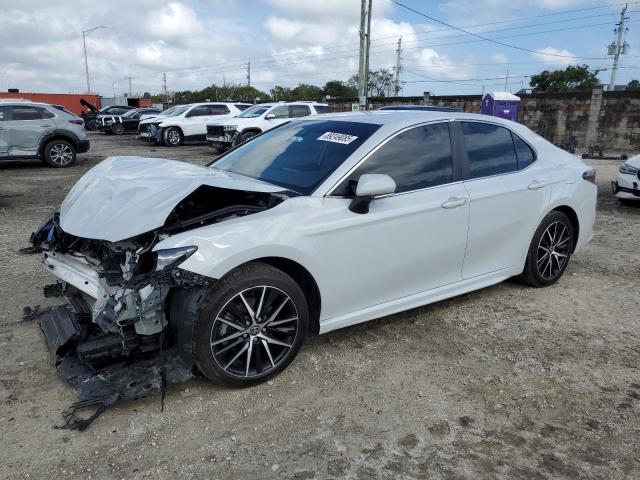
column 377, row 147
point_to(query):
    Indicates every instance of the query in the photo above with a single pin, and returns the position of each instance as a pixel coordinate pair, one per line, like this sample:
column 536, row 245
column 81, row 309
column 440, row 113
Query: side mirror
column 270, row 116
column 371, row 185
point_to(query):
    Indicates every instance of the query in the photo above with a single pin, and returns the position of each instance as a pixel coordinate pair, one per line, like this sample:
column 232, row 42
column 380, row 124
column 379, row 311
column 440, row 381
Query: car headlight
column 173, row 256
column 230, row 127
column 628, row 169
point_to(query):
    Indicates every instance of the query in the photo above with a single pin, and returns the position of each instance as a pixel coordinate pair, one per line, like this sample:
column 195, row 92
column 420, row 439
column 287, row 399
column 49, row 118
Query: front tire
column 251, row 326
column 550, row 251
column 245, row 137
column 92, row 124
column 117, row 129
column 59, row 154
column 172, row 137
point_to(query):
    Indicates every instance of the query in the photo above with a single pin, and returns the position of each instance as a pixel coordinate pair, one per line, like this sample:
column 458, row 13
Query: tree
column 339, row 89
column 633, row 85
column 221, row 93
column 379, row 84
column 306, row 92
column 570, row 79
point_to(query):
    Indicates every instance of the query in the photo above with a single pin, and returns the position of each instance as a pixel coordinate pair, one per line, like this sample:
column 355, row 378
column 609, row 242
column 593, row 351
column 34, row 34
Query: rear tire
column 550, row 251
column 59, row 154
column 238, row 345
column 172, row 137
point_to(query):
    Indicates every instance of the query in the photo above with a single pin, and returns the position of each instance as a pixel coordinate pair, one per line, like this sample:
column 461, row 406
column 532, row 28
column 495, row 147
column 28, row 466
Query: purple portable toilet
column 501, row 104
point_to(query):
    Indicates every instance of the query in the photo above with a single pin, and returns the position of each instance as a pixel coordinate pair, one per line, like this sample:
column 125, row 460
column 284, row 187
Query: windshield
column 169, row 111
column 129, row 113
column 178, row 110
column 299, row 155
column 254, row 111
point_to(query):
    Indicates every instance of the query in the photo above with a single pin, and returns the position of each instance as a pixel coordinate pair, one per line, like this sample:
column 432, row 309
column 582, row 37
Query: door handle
column 537, row 184
column 454, row 202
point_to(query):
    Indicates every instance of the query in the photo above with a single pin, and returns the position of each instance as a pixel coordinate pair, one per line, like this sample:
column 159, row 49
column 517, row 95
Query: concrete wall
column 558, row 117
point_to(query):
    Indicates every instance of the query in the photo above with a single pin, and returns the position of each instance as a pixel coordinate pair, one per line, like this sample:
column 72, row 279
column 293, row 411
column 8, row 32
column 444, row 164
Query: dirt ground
column 507, row 382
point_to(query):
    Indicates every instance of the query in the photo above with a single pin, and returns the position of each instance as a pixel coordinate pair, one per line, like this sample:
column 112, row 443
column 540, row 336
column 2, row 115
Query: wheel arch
column 307, row 282
column 250, row 129
column 57, row 135
column 573, row 218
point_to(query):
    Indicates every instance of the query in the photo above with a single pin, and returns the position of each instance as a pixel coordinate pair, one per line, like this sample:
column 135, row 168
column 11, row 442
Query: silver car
column 39, row 130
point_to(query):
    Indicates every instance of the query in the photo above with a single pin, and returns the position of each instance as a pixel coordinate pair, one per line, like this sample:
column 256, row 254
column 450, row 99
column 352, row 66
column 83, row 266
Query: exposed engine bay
column 121, row 336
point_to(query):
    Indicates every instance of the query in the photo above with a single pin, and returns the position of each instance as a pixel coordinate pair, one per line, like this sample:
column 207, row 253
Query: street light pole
column 84, row 44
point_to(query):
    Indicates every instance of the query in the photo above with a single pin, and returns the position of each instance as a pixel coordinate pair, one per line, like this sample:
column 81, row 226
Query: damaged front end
column 116, row 338
column 113, row 339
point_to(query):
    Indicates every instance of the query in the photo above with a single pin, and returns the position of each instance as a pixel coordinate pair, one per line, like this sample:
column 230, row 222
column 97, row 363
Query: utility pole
column 398, row 66
column 506, row 79
column 249, row 73
column 129, row 78
column 86, row 62
column 617, row 48
column 365, row 42
column 164, row 87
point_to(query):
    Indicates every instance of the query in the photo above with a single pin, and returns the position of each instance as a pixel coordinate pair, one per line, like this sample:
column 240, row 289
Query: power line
column 374, row 40
column 485, row 38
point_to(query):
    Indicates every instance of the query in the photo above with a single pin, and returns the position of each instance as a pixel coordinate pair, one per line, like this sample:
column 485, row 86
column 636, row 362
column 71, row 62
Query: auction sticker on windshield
column 337, row 138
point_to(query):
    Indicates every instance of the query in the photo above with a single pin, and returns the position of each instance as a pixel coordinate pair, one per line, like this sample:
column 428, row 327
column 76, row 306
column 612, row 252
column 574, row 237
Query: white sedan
column 627, row 185
column 319, row 224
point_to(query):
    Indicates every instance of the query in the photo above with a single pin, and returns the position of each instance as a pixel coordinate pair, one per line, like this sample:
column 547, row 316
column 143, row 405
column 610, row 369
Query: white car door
column 508, row 191
column 408, row 242
column 195, row 122
column 276, row 116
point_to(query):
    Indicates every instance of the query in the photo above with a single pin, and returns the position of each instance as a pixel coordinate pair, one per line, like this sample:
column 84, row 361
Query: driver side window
column 199, row 111
column 417, row 158
column 280, row 112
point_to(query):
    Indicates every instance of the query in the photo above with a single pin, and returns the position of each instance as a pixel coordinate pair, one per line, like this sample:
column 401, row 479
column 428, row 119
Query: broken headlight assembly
column 173, row 256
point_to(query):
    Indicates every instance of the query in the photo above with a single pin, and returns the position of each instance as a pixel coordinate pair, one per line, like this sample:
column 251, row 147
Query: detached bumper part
column 78, row 357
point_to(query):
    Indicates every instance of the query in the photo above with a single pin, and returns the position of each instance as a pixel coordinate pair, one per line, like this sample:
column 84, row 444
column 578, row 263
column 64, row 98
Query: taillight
column 590, row 175
column 77, row 122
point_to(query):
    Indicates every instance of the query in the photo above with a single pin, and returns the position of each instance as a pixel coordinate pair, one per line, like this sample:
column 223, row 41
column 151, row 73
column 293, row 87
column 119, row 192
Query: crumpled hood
column 122, row 197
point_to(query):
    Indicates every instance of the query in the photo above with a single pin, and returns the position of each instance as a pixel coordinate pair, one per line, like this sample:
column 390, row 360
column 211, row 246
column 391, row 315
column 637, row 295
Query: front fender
column 277, row 232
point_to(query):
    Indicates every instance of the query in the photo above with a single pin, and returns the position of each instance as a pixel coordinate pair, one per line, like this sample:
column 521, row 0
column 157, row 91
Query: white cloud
column 499, row 58
column 556, row 56
column 173, row 21
column 439, row 66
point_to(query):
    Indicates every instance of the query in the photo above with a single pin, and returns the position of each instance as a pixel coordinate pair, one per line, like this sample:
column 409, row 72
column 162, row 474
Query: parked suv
column 188, row 123
column 39, row 130
column 257, row 119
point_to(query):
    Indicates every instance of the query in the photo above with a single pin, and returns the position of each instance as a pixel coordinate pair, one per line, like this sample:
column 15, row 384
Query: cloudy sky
column 200, row 42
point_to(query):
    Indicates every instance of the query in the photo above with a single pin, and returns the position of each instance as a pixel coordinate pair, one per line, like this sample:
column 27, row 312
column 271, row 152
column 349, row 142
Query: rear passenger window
column 299, row 111
column 415, row 159
column 490, row 149
column 218, row 110
column 27, row 113
column 322, row 108
column 523, row 151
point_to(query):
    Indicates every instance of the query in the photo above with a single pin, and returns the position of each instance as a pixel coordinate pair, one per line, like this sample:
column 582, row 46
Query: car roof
column 4, row 102
column 398, row 119
column 434, row 108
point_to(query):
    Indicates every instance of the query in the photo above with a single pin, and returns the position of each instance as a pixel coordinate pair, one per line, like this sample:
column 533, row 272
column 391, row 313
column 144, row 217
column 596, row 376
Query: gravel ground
column 507, row 382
